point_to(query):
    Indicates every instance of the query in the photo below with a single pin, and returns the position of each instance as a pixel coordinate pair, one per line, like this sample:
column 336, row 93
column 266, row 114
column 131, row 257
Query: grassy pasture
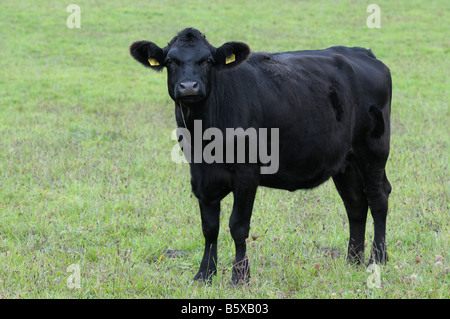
column 86, row 176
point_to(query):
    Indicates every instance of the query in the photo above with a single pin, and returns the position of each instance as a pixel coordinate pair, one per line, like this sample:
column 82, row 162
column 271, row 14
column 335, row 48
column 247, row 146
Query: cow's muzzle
column 188, row 88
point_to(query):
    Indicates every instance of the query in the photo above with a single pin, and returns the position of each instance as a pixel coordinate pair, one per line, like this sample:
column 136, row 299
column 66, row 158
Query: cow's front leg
column 210, row 225
column 244, row 197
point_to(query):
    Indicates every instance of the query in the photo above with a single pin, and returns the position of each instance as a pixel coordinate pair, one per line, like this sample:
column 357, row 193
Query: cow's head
column 189, row 59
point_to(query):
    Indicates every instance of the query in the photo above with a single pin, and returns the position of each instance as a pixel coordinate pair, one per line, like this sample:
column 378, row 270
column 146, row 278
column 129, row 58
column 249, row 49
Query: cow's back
column 372, row 75
column 351, row 80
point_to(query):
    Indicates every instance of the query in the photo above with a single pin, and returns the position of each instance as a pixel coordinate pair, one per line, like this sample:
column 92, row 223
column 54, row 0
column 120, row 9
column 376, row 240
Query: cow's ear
column 231, row 54
column 149, row 54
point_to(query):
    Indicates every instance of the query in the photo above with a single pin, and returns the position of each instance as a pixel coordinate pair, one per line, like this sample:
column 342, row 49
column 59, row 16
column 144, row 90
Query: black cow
column 332, row 110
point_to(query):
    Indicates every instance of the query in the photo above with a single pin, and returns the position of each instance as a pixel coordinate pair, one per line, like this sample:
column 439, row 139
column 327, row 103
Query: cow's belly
column 307, row 165
column 295, row 179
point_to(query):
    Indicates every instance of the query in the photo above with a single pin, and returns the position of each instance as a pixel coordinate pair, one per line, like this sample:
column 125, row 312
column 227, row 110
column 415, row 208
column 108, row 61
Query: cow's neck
column 188, row 114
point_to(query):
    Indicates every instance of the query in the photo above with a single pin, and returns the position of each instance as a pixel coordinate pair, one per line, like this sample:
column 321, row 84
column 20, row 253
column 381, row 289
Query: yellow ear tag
column 230, row 59
column 153, row 62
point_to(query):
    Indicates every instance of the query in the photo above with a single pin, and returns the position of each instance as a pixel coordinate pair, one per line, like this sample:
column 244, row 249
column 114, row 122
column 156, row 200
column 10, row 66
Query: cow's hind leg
column 378, row 189
column 350, row 185
column 210, row 226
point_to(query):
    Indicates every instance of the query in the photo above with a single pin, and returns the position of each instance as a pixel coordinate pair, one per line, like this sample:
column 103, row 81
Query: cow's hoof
column 241, row 273
column 378, row 256
column 203, row 277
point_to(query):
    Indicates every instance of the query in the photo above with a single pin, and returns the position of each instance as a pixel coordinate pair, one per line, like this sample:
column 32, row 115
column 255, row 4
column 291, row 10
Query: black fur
column 332, row 109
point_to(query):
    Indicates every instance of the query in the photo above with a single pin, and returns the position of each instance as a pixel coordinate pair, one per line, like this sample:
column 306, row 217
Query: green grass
column 86, row 176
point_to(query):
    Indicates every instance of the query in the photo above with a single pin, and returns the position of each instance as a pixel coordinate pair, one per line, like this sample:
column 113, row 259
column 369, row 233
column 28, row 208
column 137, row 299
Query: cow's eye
column 206, row 62
column 172, row 62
